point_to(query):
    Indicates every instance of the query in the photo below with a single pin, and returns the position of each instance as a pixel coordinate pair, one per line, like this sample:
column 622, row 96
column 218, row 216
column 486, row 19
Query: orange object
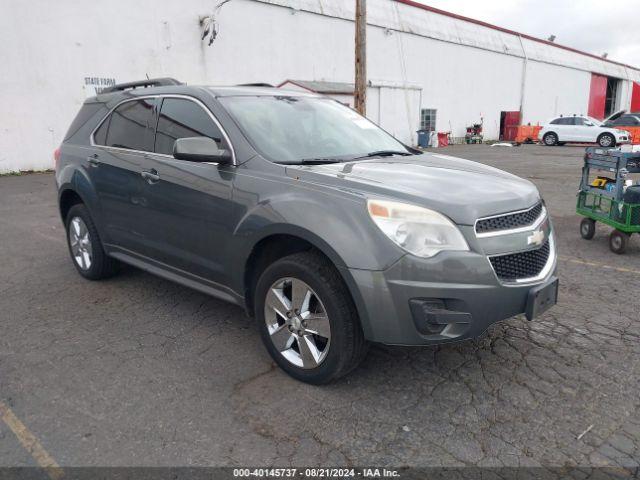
column 634, row 133
column 527, row 132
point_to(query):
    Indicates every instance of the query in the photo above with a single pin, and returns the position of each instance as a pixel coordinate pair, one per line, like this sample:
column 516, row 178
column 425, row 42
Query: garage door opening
column 610, row 104
column 603, row 96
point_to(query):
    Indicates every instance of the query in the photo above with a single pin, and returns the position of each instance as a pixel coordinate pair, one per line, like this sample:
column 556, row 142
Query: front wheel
column 606, row 140
column 587, row 228
column 618, row 241
column 550, row 139
column 307, row 319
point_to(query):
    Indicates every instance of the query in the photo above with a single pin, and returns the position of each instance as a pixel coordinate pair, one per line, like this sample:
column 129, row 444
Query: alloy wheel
column 606, row 141
column 297, row 322
column 80, row 243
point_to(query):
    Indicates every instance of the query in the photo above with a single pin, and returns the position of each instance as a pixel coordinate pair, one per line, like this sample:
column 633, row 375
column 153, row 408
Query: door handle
column 151, row 176
column 93, row 160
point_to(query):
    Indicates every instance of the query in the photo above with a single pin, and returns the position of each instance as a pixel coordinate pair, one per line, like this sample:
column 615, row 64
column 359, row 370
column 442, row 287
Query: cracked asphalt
column 139, row 371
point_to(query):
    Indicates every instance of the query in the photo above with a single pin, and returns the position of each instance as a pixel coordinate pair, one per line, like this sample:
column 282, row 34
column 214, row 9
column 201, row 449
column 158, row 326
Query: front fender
column 338, row 226
column 342, row 230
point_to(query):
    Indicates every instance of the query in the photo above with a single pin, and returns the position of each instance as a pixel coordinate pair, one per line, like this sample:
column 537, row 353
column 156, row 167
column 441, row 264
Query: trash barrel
column 423, row 138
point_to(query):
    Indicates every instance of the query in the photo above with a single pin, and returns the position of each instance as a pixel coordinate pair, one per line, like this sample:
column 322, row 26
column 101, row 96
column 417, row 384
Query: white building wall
column 415, row 59
column 551, row 90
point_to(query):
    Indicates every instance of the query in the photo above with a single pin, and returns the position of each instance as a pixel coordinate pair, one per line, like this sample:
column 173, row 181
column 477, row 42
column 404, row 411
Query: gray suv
column 324, row 227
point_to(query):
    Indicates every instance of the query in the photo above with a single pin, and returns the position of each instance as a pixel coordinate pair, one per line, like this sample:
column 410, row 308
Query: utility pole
column 360, row 94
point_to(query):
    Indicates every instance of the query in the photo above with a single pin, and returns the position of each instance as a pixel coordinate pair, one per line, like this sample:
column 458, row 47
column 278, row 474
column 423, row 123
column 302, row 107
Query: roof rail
column 152, row 82
column 258, row 84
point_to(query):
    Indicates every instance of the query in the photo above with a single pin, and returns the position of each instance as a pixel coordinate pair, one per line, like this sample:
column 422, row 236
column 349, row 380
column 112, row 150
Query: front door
column 189, row 215
column 586, row 130
column 115, row 166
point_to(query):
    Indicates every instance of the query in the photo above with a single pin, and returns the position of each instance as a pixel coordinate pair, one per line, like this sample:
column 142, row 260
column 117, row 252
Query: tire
column 618, row 242
column 550, row 139
column 338, row 345
column 85, row 246
column 606, row 140
column 587, row 228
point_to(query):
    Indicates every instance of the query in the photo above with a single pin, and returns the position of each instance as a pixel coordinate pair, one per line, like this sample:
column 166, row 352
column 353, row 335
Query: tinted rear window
column 100, row 135
column 87, row 111
column 130, row 125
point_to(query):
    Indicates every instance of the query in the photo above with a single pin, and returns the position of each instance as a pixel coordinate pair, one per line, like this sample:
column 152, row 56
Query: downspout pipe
column 523, row 83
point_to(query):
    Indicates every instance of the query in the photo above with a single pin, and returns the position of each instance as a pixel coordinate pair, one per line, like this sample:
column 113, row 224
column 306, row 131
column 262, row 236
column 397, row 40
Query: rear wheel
column 550, row 139
column 85, row 246
column 587, row 228
column 618, row 241
column 606, row 140
column 307, row 319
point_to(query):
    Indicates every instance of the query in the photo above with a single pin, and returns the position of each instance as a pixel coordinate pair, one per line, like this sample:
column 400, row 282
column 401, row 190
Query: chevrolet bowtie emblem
column 536, row 238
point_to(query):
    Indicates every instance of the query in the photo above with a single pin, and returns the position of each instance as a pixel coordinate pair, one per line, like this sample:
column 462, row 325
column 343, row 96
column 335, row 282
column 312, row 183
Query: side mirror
column 200, row 149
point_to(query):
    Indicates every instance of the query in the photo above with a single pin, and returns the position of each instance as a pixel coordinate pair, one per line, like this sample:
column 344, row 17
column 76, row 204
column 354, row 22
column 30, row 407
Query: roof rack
column 259, row 84
column 152, row 82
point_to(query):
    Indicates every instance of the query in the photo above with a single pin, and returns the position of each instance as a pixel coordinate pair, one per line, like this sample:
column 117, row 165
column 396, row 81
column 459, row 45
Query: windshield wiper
column 316, row 161
column 384, row 153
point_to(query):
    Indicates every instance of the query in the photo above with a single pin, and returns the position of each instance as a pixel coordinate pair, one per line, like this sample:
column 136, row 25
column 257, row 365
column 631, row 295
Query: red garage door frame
column 597, row 96
column 635, row 97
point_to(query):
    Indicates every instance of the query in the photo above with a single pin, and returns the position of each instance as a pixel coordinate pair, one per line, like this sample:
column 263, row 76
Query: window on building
column 428, row 119
column 130, row 125
column 181, row 118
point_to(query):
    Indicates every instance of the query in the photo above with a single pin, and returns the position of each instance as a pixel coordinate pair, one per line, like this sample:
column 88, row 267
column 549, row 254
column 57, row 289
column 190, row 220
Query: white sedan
column 581, row 129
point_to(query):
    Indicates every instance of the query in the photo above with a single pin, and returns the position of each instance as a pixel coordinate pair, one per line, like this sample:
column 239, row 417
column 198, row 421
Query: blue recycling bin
column 423, row 138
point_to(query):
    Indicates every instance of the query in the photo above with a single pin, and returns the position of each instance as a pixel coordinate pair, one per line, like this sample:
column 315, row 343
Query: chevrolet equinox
column 325, row 228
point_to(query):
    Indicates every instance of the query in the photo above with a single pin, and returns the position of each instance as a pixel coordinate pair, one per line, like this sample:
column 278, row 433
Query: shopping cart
column 606, row 199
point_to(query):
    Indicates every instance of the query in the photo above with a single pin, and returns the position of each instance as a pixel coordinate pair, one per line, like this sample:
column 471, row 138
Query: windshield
column 292, row 129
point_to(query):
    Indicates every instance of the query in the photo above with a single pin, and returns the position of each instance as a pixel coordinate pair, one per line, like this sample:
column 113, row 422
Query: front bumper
column 451, row 297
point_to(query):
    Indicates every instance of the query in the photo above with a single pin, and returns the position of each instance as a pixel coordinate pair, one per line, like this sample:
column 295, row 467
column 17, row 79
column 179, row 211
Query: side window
column 578, row 121
column 130, row 125
column 180, row 118
column 557, row 121
column 100, row 135
column 625, row 121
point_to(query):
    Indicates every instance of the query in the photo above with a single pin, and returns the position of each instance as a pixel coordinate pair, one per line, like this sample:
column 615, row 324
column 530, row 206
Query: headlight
column 417, row 230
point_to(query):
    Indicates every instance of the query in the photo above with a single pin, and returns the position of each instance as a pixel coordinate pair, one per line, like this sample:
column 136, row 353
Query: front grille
column 509, row 221
column 522, row 265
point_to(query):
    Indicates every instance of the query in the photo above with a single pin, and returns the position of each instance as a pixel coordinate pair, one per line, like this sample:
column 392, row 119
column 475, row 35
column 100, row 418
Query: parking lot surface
column 140, row 371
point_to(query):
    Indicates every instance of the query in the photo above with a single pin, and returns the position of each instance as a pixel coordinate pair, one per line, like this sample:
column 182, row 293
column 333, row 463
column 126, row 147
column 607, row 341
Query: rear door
column 564, row 127
column 115, row 166
column 189, row 216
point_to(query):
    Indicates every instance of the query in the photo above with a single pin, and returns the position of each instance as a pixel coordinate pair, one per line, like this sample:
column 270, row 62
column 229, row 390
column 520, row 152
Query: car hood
column 461, row 189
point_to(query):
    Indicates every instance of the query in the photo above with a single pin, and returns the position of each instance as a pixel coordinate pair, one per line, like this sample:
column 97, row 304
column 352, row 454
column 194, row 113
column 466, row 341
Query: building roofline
column 428, row 8
column 299, row 83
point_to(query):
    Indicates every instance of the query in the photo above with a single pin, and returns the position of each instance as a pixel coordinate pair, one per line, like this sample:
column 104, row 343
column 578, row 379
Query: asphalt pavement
column 137, row 370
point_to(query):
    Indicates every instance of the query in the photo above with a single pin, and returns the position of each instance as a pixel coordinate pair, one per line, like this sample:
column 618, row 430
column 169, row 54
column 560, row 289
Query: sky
column 590, row 25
